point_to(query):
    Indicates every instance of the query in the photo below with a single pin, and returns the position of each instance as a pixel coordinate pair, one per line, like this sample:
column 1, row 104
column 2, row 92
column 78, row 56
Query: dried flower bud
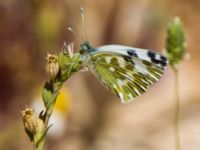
column 64, row 49
column 68, row 49
column 40, row 125
column 52, row 66
column 175, row 42
column 31, row 122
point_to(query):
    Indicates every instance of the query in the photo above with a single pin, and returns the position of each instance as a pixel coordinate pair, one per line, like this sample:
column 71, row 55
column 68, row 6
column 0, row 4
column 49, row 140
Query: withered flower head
column 52, row 66
column 68, row 49
column 31, row 122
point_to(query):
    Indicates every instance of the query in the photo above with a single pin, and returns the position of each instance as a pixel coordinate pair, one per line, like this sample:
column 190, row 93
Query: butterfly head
column 86, row 48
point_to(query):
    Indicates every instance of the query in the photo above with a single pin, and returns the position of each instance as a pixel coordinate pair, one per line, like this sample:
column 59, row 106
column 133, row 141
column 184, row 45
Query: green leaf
column 51, row 102
column 68, row 66
column 30, row 135
column 63, row 59
column 47, row 93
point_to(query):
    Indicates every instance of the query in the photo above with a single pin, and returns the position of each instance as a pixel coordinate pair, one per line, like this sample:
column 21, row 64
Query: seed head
column 52, row 66
column 175, row 42
column 32, row 123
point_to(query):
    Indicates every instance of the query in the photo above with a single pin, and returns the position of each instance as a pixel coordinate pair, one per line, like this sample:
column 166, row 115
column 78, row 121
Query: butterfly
column 125, row 71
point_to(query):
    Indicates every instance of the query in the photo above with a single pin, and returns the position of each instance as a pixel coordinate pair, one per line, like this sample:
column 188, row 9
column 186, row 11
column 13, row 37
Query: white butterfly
column 125, row 71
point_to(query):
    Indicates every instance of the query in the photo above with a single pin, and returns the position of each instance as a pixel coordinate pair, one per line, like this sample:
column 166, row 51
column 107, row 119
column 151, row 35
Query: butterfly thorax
column 86, row 48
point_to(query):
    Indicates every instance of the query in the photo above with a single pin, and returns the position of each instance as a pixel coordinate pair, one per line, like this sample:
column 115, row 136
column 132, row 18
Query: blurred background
column 87, row 116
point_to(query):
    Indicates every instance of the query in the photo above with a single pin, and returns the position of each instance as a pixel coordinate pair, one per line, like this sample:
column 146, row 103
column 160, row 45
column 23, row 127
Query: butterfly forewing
column 125, row 71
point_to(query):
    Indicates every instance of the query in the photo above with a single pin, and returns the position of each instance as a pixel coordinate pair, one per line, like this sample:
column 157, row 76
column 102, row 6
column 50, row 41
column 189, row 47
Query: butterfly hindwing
column 125, row 71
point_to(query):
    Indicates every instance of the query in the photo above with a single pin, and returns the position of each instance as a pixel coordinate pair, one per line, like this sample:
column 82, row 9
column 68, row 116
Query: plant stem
column 40, row 146
column 177, row 111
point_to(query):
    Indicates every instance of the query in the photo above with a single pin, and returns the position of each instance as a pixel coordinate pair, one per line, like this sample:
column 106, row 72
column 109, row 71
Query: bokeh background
column 87, row 116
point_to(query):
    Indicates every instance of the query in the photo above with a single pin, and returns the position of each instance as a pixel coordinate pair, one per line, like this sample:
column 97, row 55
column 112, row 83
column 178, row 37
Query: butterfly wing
column 126, row 71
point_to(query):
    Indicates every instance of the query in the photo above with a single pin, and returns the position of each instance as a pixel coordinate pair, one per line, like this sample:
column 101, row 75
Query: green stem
column 177, row 112
column 48, row 113
column 40, row 146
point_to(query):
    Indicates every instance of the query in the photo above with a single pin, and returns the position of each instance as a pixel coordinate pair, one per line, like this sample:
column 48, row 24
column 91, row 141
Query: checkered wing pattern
column 126, row 71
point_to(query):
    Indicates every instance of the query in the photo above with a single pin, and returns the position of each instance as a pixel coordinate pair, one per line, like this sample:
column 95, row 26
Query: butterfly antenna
column 83, row 23
column 75, row 33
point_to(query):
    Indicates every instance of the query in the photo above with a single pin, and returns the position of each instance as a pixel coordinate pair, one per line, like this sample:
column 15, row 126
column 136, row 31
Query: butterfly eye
column 86, row 48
